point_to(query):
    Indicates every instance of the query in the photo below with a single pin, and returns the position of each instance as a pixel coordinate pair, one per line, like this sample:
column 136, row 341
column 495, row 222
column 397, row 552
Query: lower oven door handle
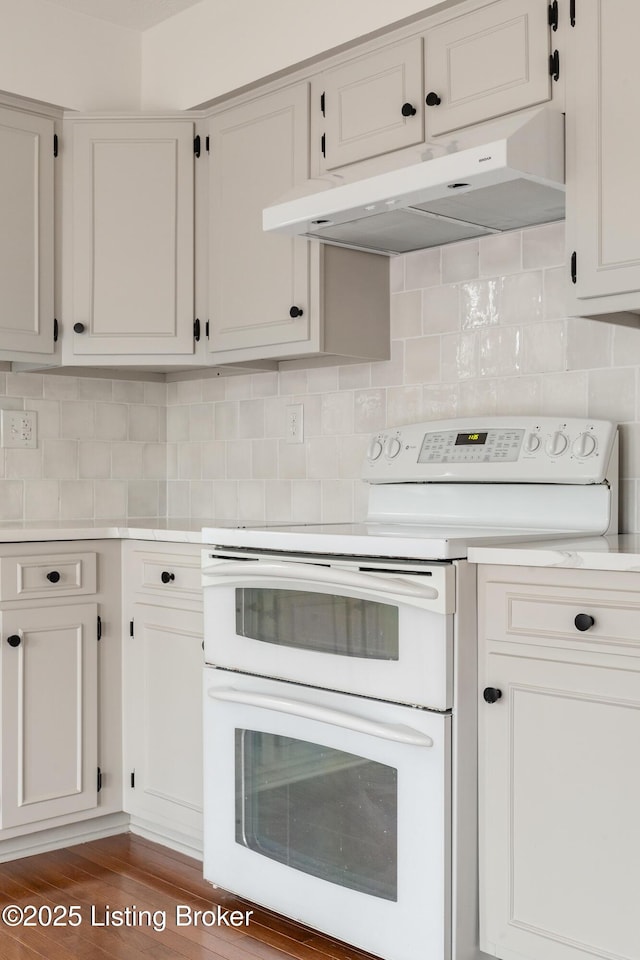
column 397, row 732
column 245, row 571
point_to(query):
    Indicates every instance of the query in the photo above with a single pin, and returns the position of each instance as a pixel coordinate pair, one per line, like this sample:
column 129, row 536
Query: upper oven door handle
column 245, row 572
column 397, row 732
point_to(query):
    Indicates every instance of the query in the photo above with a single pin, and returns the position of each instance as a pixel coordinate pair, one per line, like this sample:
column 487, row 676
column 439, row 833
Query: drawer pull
column 167, row 577
column 53, row 576
column 491, row 694
column 14, row 640
column 584, row 621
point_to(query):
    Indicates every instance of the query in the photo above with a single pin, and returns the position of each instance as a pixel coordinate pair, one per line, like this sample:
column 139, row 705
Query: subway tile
column 543, row 246
column 521, row 298
column 612, row 394
column 336, row 501
column 133, row 391
column 441, row 309
column 77, row 420
column 406, row 314
column 111, row 421
column 500, row 254
column 94, row 461
column 11, row 500
column 354, row 376
column 76, row 500
column 251, row 508
column 479, row 303
column 41, row 499
column 322, row 457
column 94, row 388
column 422, row 360
column 422, row 268
column 589, row 344
column 370, row 410
column 460, row 261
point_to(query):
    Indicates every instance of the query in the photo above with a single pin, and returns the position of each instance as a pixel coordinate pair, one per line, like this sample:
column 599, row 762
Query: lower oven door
column 332, row 810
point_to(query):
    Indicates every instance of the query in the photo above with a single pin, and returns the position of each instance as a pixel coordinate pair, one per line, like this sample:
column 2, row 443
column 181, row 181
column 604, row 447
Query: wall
column 478, row 328
column 220, row 45
column 55, row 55
column 101, row 451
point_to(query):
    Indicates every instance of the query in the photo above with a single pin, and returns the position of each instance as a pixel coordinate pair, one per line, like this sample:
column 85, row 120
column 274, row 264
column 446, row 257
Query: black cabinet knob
column 491, row 694
column 408, row 110
column 295, row 312
column 433, row 100
column 79, row 327
column 14, row 640
column 167, row 577
column 584, row 621
column 53, row 576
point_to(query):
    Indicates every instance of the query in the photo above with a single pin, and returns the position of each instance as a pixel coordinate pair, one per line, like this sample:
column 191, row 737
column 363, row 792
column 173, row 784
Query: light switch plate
column 19, row 428
column 295, row 423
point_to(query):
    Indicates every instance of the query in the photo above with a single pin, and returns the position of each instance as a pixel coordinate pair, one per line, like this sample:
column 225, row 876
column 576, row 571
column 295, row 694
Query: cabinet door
column 603, row 202
column 258, row 152
column 133, row 229
column 487, row 63
column 48, row 712
column 372, row 105
column 163, row 719
column 26, row 237
column 559, row 800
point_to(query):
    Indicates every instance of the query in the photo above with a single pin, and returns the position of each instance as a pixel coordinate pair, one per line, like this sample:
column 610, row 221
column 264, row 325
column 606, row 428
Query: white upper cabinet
column 492, row 61
column 371, row 105
column 603, row 201
column 276, row 296
column 258, row 284
column 26, row 237
column 132, row 239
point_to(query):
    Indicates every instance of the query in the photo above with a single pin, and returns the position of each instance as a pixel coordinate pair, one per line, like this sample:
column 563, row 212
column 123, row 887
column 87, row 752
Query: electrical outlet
column 19, row 428
column 295, row 423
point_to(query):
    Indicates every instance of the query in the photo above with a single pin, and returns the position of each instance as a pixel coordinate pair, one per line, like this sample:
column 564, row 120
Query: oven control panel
column 495, row 449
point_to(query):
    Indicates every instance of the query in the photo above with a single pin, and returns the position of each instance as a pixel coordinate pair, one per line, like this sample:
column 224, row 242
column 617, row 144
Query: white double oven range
column 340, row 687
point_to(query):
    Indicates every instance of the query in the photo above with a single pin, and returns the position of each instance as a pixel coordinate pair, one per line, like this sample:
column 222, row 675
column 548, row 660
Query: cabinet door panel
column 49, row 713
column 363, row 102
column 603, row 203
column 559, row 797
column 133, row 237
column 488, row 63
column 163, row 703
column 259, row 151
column 26, row 238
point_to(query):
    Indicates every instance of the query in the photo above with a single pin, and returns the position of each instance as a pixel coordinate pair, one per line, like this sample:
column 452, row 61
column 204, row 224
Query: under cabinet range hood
column 500, row 176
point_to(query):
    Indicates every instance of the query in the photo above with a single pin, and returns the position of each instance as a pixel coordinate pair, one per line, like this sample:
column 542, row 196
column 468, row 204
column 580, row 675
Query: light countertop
column 171, row 531
column 621, row 552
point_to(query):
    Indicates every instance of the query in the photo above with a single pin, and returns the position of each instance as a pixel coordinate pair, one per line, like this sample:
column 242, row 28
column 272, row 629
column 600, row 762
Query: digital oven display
column 471, row 439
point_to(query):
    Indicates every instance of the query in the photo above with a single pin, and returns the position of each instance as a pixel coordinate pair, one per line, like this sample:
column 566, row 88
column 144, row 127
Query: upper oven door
column 341, row 626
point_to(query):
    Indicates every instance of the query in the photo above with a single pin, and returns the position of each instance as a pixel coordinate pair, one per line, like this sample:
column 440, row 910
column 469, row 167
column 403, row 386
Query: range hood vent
column 513, row 178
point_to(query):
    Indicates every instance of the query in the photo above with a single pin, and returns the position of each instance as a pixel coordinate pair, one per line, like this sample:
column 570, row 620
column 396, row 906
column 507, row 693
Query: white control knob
column 584, row 446
column 533, row 442
column 392, row 448
column 557, row 444
column 375, row 449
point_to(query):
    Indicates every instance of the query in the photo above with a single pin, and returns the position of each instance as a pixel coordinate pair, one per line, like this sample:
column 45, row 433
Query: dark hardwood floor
column 126, row 875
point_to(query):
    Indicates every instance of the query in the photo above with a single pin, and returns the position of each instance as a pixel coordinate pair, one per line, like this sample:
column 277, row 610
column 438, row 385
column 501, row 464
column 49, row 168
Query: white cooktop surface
column 401, row 540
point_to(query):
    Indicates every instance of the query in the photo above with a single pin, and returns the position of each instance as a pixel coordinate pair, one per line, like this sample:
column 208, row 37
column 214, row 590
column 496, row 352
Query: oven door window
column 328, row 813
column 328, row 623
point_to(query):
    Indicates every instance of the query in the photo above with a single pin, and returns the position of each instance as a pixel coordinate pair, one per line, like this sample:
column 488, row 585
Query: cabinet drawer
column 43, row 577
column 562, row 616
column 167, row 576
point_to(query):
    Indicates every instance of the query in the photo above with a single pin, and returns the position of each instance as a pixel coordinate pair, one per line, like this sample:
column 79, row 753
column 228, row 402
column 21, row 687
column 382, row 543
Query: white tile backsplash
column 479, row 327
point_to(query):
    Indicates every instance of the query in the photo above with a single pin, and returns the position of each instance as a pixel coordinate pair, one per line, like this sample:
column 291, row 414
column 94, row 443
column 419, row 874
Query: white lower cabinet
column 559, row 781
column 162, row 693
column 60, row 708
column 49, row 712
